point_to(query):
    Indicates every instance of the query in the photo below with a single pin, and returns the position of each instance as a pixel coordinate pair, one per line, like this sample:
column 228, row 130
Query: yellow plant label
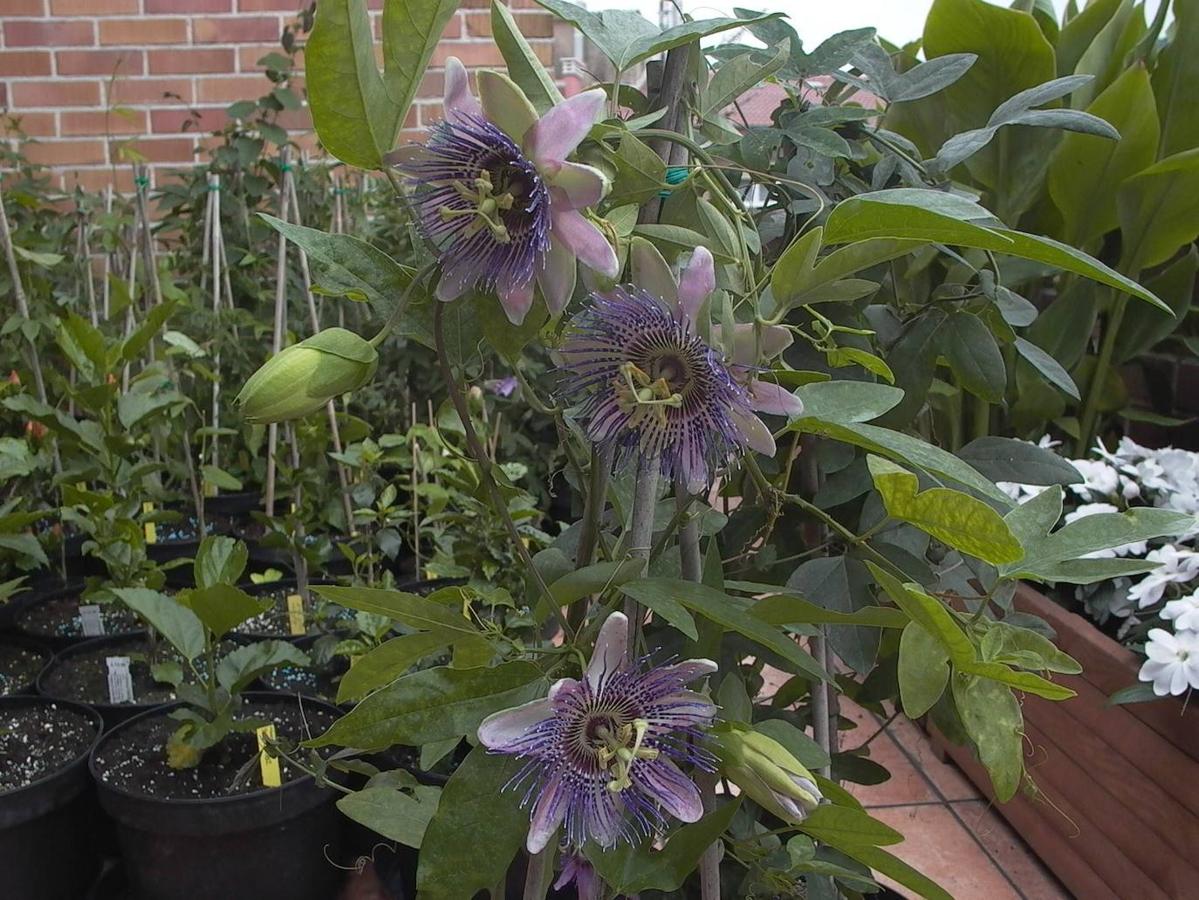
column 210, row 489
column 150, row 527
column 295, row 614
column 267, row 763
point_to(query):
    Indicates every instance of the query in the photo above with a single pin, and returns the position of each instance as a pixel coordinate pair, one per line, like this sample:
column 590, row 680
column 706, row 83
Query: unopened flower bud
column 305, row 376
column 767, row 773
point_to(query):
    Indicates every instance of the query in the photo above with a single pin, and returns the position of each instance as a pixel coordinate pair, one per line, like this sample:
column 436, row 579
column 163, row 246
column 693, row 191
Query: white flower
column 1098, row 479
column 1176, row 567
column 1048, row 443
column 1173, row 663
column 1184, row 612
column 1137, row 548
column 1021, row 493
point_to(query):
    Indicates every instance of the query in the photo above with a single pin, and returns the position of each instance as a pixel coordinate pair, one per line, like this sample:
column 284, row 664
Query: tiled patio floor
column 950, row 831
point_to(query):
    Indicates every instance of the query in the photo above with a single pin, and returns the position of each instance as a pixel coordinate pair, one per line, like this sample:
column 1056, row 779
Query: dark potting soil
column 38, row 740
column 135, row 760
column 58, row 617
column 19, row 666
column 276, row 622
column 83, row 676
column 291, row 679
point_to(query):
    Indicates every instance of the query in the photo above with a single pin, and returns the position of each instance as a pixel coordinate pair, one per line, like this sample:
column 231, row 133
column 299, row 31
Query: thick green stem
column 1088, row 423
column 484, row 464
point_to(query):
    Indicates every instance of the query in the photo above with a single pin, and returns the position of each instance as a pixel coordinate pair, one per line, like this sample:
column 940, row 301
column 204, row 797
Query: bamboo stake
column 300, row 564
column 272, row 433
column 85, row 259
column 212, row 217
column 343, row 477
column 107, row 256
column 18, row 289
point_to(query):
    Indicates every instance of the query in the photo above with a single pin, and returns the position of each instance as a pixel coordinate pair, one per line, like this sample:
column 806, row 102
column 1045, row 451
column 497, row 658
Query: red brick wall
column 65, row 63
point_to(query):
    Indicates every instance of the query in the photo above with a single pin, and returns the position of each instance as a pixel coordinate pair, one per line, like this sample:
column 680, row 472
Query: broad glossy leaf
column 524, row 67
column 1143, row 328
column 387, row 662
column 474, row 812
column 239, row 667
column 1008, row 459
column 841, row 826
column 847, row 401
column 220, row 560
column 842, row 585
column 178, row 624
column 595, row 579
column 1050, row 368
column 1033, row 519
column 973, row 355
column 895, row 868
column 411, row 609
column 1157, row 216
column 411, row 30
column 1102, row 532
column 398, row 815
column 737, row 75
column 923, row 670
column 1174, row 80
column 791, row 609
column 662, row 597
column 991, row 715
column 222, row 607
column 930, row 613
column 433, row 705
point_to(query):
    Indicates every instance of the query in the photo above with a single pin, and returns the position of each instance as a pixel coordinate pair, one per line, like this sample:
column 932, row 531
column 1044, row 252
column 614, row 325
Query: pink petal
column 696, row 282
column 767, row 397
column 651, row 273
column 557, row 279
column 547, row 814
column 757, row 435
column 455, row 281
column 562, row 129
column 506, row 729
column 582, row 185
column 505, row 104
column 458, row 98
column 610, row 648
column 583, row 239
column 516, row 300
column 676, row 792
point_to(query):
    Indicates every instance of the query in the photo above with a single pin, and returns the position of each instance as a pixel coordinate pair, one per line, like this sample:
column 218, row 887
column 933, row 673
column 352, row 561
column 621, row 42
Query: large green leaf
column 839, row 826
column 523, row 65
column 401, row 815
column 1157, row 215
column 661, row 597
column 737, row 75
column 791, row 609
column 222, row 607
column 178, row 624
column 841, row 584
column 433, row 705
column 633, row 868
column 595, row 579
column 847, row 401
column 1174, row 80
column 973, row 355
column 411, row 609
column 411, row 30
column 930, row 613
column 991, row 715
column 474, row 814
column 914, row 215
column 1083, row 161
column 387, row 662
column 1008, row 459
column 923, row 670
column 895, row 868
column 1143, row 327
column 239, row 667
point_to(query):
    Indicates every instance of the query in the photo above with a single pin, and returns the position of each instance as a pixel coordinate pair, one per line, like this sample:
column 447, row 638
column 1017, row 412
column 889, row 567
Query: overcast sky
column 896, row 20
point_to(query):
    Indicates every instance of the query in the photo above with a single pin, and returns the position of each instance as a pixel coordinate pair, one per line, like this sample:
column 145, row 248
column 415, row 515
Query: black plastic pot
column 24, row 623
column 13, row 688
column 112, row 714
column 269, row 844
column 238, row 505
column 47, row 841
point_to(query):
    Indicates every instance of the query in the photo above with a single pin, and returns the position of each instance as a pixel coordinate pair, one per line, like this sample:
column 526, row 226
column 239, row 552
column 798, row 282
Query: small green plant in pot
column 194, row 621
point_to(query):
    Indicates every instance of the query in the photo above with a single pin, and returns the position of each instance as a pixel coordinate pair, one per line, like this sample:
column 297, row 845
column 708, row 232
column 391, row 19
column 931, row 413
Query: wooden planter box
column 1118, row 813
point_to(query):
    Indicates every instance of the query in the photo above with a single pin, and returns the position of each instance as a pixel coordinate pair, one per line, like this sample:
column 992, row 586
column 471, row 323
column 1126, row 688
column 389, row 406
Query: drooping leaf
column 239, row 667
column 398, row 815
column 991, row 715
column 923, row 670
column 178, row 624
column 1008, row 459
column 387, row 662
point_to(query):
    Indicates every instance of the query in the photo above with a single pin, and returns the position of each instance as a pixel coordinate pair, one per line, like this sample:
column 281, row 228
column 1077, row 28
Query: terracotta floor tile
column 949, row 780
column 1010, row 852
column 906, row 784
column 939, row 846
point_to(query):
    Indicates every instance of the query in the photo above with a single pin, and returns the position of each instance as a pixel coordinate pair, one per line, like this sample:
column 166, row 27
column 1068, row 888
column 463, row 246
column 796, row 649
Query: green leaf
column 661, row 596
column 151, row 325
column 791, row 609
column 991, row 716
column 840, row 826
column 1010, row 642
column 474, row 812
column 796, row 741
column 398, row 815
column 222, row 607
column 908, row 449
column 1142, row 327
column 387, row 662
column 841, row 584
column 1007, row 459
column 930, row 613
column 413, row 610
column 239, row 667
column 973, row 355
column 923, row 670
column 433, row 705
column 1032, row 520
column 220, row 560
column 737, row 75
column 355, row 118
column 1049, row 367
column 1174, row 80
column 596, row 579
column 1156, row 215
column 178, row 624
column 220, row 478
column 524, row 67
column 911, row 214
column 1083, row 161
column 952, row 517
column 634, row 868
column 1101, row 532
column 411, row 30
column 640, row 172
column 895, row 868
column 1021, row 681
column 84, row 346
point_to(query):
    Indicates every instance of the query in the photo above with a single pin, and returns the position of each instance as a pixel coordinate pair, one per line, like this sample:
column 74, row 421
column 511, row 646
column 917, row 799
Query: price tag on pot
column 150, row 528
column 120, row 682
column 267, row 763
column 91, row 621
column 295, row 614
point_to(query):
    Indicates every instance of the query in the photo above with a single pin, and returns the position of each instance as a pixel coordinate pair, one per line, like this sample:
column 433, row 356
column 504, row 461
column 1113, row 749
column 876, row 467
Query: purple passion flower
column 645, row 381
column 497, row 198
column 602, row 753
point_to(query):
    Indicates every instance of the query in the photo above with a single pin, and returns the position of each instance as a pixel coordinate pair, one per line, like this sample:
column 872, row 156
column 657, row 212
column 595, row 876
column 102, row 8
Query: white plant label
column 91, row 621
column 120, row 682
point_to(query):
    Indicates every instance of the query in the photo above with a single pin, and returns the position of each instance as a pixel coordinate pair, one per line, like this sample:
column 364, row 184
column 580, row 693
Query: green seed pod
column 302, row 378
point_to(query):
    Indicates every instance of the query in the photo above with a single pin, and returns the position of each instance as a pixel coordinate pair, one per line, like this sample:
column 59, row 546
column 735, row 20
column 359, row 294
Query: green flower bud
column 767, row 773
column 302, row 378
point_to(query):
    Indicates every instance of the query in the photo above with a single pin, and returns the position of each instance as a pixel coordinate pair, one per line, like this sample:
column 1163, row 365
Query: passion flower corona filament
column 603, row 753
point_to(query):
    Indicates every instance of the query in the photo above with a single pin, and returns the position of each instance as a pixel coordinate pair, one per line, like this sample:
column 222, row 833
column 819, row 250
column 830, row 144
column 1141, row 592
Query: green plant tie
column 286, row 167
column 675, row 175
column 141, row 181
